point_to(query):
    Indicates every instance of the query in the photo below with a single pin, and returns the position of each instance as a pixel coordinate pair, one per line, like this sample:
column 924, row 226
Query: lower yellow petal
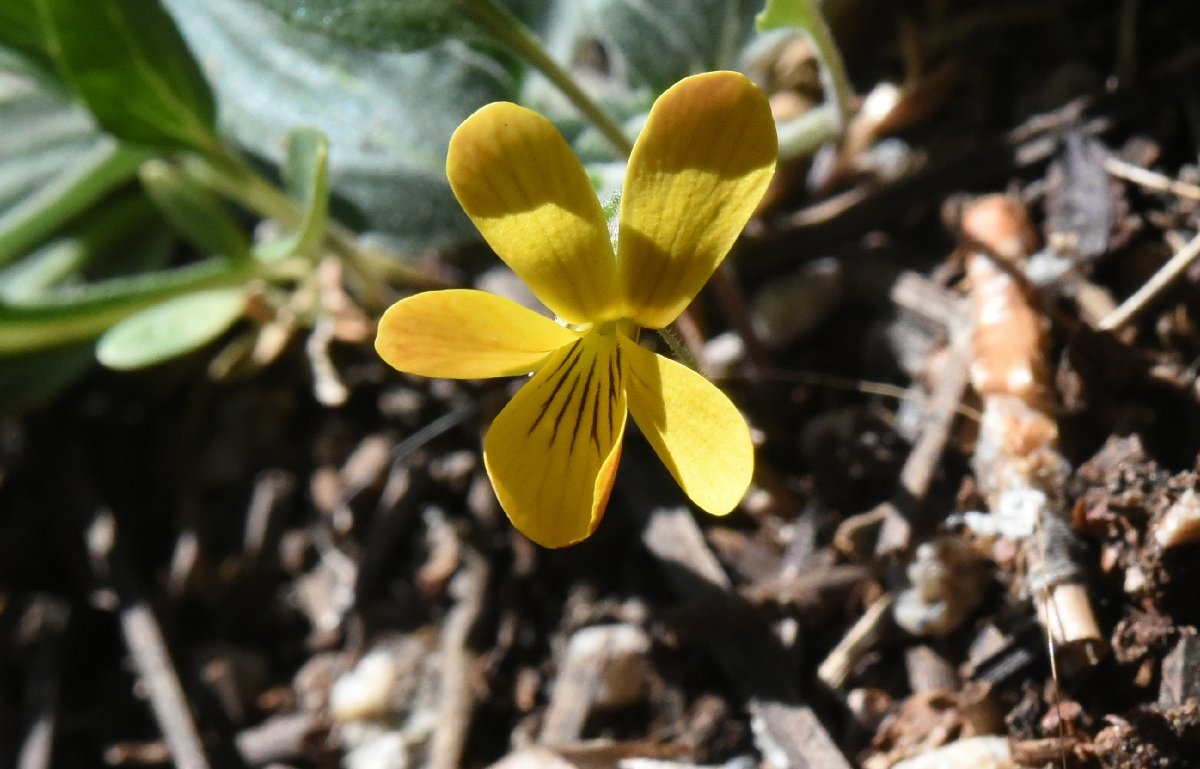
column 552, row 452
column 698, row 170
column 694, row 428
column 466, row 334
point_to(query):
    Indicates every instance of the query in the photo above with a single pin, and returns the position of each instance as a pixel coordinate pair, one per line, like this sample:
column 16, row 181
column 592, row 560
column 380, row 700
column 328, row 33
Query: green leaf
column 381, row 24
column 127, row 62
column 21, row 31
column 306, row 178
column 84, row 312
column 628, row 46
column 54, row 164
column 388, row 116
column 785, row 13
column 387, row 25
column 626, row 52
column 170, row 329
column 193, row 211
column 84, row 247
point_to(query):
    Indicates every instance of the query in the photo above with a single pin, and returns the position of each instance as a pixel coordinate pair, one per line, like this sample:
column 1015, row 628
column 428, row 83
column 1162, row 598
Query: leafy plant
column 143, row 140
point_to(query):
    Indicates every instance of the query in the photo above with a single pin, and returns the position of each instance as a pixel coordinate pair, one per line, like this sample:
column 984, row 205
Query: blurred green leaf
column 21, row 31
column 622, row 47
column 54, row 164
column 194, row 212
column 387, row 25
column 626, row 52
column 84, row 312
column 381, row 24
column 127, row 62
column 785, row 13
column 83, row 248
column 388, row 116
column 170, row 329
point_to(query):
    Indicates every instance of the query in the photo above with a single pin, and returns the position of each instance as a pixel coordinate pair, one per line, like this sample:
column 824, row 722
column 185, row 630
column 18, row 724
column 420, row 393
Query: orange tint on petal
column 552, row 452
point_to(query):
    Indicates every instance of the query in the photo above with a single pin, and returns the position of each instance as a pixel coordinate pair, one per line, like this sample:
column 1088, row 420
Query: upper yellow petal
column 525, row 190
column 466, row 334
column 696, row 431
column 552, row 452
column 698, row 170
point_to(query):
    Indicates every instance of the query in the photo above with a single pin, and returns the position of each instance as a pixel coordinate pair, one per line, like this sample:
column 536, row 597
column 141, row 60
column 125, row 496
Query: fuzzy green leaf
column 380, row 24
column 785, row 13
column 54, row 164
column 170, row 329
column 127, row 62
column 388, row 116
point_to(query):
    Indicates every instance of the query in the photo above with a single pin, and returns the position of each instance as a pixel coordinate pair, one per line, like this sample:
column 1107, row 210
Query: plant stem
column 231, row 176
column 836, row 81
column 512, row 33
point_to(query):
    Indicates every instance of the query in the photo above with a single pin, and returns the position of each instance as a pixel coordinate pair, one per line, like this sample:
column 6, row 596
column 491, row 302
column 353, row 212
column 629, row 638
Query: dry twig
column 786, row 730
column 147, row 649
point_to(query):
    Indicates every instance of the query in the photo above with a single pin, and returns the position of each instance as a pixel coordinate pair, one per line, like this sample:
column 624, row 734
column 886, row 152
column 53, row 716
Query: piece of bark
column 273, row 492
column 395, row 516
column 1079, row 198
column 970, row 753
column 1008, row 657
column 1181, row 671
column 456, row 702
column 863, row 636
column 787, row 731
column 278, row 739
column 901, row 515
column 929, row 671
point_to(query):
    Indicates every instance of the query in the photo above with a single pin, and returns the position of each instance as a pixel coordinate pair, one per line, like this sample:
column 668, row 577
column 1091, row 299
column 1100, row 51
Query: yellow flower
column 699, row 168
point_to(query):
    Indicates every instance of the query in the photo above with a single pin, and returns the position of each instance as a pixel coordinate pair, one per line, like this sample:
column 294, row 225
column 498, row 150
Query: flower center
column 624, row 326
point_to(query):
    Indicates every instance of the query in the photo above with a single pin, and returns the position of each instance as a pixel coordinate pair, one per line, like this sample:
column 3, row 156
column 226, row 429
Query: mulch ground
column 229, row 574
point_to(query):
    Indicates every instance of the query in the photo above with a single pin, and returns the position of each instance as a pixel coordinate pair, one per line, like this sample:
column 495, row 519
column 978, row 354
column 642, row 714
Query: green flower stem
column 231, row 176
column 679, row 348
column 512, row 33
column 836, row 80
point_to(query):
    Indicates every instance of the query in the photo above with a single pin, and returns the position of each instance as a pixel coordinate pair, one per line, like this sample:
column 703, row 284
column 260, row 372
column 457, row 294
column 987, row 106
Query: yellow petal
column 552, row 452
column 466, row 334
column 699, row 168
column 529, row 196
column 696, row 431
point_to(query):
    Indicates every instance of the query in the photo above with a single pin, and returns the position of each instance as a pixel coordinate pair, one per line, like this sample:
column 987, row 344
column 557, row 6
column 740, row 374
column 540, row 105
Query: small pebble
column 366, row 690
column 971, row 753
column 1180, row 524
